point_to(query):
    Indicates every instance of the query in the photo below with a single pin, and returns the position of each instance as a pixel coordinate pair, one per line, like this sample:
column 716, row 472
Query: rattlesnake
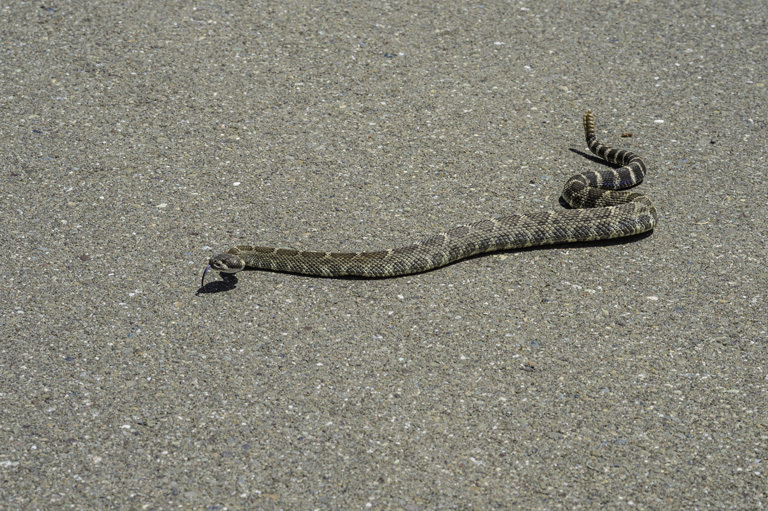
column 600, row 212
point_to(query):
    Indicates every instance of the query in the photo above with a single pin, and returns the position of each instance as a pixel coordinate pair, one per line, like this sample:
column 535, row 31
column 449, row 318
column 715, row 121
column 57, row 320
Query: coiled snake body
column 600, row 211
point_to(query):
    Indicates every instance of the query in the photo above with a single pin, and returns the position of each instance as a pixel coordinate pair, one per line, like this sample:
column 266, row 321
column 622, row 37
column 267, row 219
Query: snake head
column 224, row 263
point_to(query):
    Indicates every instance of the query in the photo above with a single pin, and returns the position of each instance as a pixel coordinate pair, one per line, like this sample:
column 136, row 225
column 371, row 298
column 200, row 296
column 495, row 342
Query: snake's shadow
column 594, row 158
column 228, row 282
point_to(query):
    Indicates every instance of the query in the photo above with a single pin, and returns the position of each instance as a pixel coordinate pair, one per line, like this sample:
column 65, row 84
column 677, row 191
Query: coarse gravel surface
column 138, row 138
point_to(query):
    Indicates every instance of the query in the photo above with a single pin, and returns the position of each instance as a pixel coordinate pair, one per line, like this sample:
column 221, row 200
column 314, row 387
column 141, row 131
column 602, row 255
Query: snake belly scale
column 601, row 210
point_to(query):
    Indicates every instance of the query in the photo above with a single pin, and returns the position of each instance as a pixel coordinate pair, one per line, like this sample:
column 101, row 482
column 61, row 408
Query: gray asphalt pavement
column 138, row 138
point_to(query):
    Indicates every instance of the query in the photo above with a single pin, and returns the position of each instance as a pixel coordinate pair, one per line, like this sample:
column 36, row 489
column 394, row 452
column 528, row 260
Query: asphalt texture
column 138, row 138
